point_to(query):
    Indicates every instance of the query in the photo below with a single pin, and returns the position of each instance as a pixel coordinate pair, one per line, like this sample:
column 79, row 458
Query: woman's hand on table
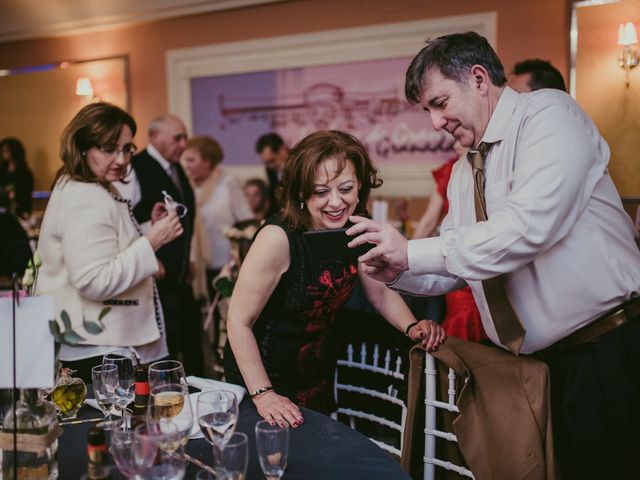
column 164, row 231
column 429, row 334
column 275, row 408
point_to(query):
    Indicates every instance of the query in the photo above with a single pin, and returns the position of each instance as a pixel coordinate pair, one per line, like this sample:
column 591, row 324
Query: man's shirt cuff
column 425, row 256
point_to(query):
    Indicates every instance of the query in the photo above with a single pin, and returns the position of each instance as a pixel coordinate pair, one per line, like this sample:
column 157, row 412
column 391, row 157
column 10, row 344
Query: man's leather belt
column 611, row 320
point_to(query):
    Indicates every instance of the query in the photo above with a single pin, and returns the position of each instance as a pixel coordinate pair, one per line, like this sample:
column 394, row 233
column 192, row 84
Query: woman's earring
column 301, row 205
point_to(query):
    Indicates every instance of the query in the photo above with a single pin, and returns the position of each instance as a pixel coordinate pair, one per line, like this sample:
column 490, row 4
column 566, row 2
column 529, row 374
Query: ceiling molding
column 28, row 19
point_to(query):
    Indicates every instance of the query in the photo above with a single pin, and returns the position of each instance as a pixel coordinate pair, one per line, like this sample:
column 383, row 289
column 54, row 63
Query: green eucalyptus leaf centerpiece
column 68, row 336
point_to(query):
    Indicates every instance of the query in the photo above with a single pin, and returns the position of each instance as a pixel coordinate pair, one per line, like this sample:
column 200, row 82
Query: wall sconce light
column 628, row 58
column 84, row 88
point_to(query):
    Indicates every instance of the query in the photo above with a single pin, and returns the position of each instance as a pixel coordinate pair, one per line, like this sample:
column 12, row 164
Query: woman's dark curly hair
column 303, row 162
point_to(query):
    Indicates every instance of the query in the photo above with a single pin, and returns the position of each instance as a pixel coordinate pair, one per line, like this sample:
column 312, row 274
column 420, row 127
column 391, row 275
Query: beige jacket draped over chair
column 504, row 426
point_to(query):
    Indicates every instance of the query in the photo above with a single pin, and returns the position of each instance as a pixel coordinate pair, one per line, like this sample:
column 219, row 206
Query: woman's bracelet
column 409, row 327
column 260, row 391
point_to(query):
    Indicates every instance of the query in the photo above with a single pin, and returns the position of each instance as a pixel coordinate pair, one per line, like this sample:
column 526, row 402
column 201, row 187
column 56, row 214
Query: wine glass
column 214, row 474
column 120, row 384
column 234, row 456
column 217, row 412
column 166, row 371
column 131, row 454
column 100, row 394
column 272, row 442
column 171, row 402
column 162, row 436
column 119, row 356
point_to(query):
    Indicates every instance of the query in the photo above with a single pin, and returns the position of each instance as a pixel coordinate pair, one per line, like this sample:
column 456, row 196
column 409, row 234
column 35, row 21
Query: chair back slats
column 465, row 472
column 371, row 367
column 370, row 361
column 442, row 405
column 391, row 398
column 392, row 450
column 399, row 366
column 431, row 431
column 451, row 391
column 372, row 418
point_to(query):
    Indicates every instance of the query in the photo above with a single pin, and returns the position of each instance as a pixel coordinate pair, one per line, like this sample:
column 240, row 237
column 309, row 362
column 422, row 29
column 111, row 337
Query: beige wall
column 43, row 102
column 525, row 29
column 601, row 88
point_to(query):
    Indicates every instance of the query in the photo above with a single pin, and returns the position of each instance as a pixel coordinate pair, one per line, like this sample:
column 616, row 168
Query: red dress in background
column 462, row 319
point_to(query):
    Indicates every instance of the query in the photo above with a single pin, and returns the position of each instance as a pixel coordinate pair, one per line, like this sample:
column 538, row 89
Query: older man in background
column 156, row 170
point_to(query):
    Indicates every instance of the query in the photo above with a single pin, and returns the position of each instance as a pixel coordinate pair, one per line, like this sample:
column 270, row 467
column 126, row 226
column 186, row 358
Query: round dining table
column 321, row 448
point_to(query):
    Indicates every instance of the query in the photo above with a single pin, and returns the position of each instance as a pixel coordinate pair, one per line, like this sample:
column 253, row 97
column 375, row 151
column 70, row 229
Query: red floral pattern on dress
column 330, row 295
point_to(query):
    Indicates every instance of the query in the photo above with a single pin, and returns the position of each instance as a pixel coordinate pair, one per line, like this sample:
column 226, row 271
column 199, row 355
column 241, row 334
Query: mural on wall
column 363, row 98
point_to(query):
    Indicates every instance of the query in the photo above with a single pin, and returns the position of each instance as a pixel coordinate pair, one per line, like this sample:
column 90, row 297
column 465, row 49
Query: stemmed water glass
column 100, row 393
column 133, row 455
column 234, row 456
column 273, row 448
column 166, row 371
column 217, row 412
column 163, row 434
column 171, row 402
column 120, row 384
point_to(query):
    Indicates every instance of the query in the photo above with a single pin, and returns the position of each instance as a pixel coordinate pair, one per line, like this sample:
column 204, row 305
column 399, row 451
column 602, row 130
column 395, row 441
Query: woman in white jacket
column 93, row 252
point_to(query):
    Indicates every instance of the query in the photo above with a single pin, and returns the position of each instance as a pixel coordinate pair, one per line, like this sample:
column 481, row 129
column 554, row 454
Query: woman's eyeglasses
column 113, row 151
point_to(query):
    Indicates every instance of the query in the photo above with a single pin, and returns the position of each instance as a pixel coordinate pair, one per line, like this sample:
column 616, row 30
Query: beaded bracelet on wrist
column 260, row 391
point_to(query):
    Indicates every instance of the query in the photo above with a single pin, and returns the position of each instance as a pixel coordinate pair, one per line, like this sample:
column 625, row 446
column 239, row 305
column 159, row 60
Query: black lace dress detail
column 292, row 330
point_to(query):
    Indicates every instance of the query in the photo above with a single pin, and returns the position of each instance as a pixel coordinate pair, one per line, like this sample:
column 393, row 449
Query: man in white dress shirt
column 554, row 231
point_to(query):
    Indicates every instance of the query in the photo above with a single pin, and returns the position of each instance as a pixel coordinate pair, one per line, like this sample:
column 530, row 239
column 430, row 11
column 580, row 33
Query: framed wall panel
column 290, row 63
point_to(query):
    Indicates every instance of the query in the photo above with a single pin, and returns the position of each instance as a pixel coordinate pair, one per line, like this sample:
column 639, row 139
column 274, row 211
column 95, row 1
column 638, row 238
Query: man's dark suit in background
column 181, row 312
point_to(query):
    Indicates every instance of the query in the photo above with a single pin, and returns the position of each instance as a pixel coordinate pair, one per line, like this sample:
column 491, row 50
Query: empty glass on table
column 100, row 393
column 213, row 474
column 134, row 456
column 272, row 442
column 120, row 384
column 164, row 436
column 217, row 412
column 233, row 458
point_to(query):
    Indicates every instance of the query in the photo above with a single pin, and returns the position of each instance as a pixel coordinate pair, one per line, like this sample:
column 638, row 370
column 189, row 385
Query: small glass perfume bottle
column 69, row 394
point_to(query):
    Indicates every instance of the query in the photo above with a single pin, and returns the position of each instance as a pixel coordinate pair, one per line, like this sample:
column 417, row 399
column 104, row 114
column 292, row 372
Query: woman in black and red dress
column 285, row 298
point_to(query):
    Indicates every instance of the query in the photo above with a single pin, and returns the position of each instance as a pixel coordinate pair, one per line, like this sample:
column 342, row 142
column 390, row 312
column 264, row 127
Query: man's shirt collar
column 499, row 121
column 158, row 157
